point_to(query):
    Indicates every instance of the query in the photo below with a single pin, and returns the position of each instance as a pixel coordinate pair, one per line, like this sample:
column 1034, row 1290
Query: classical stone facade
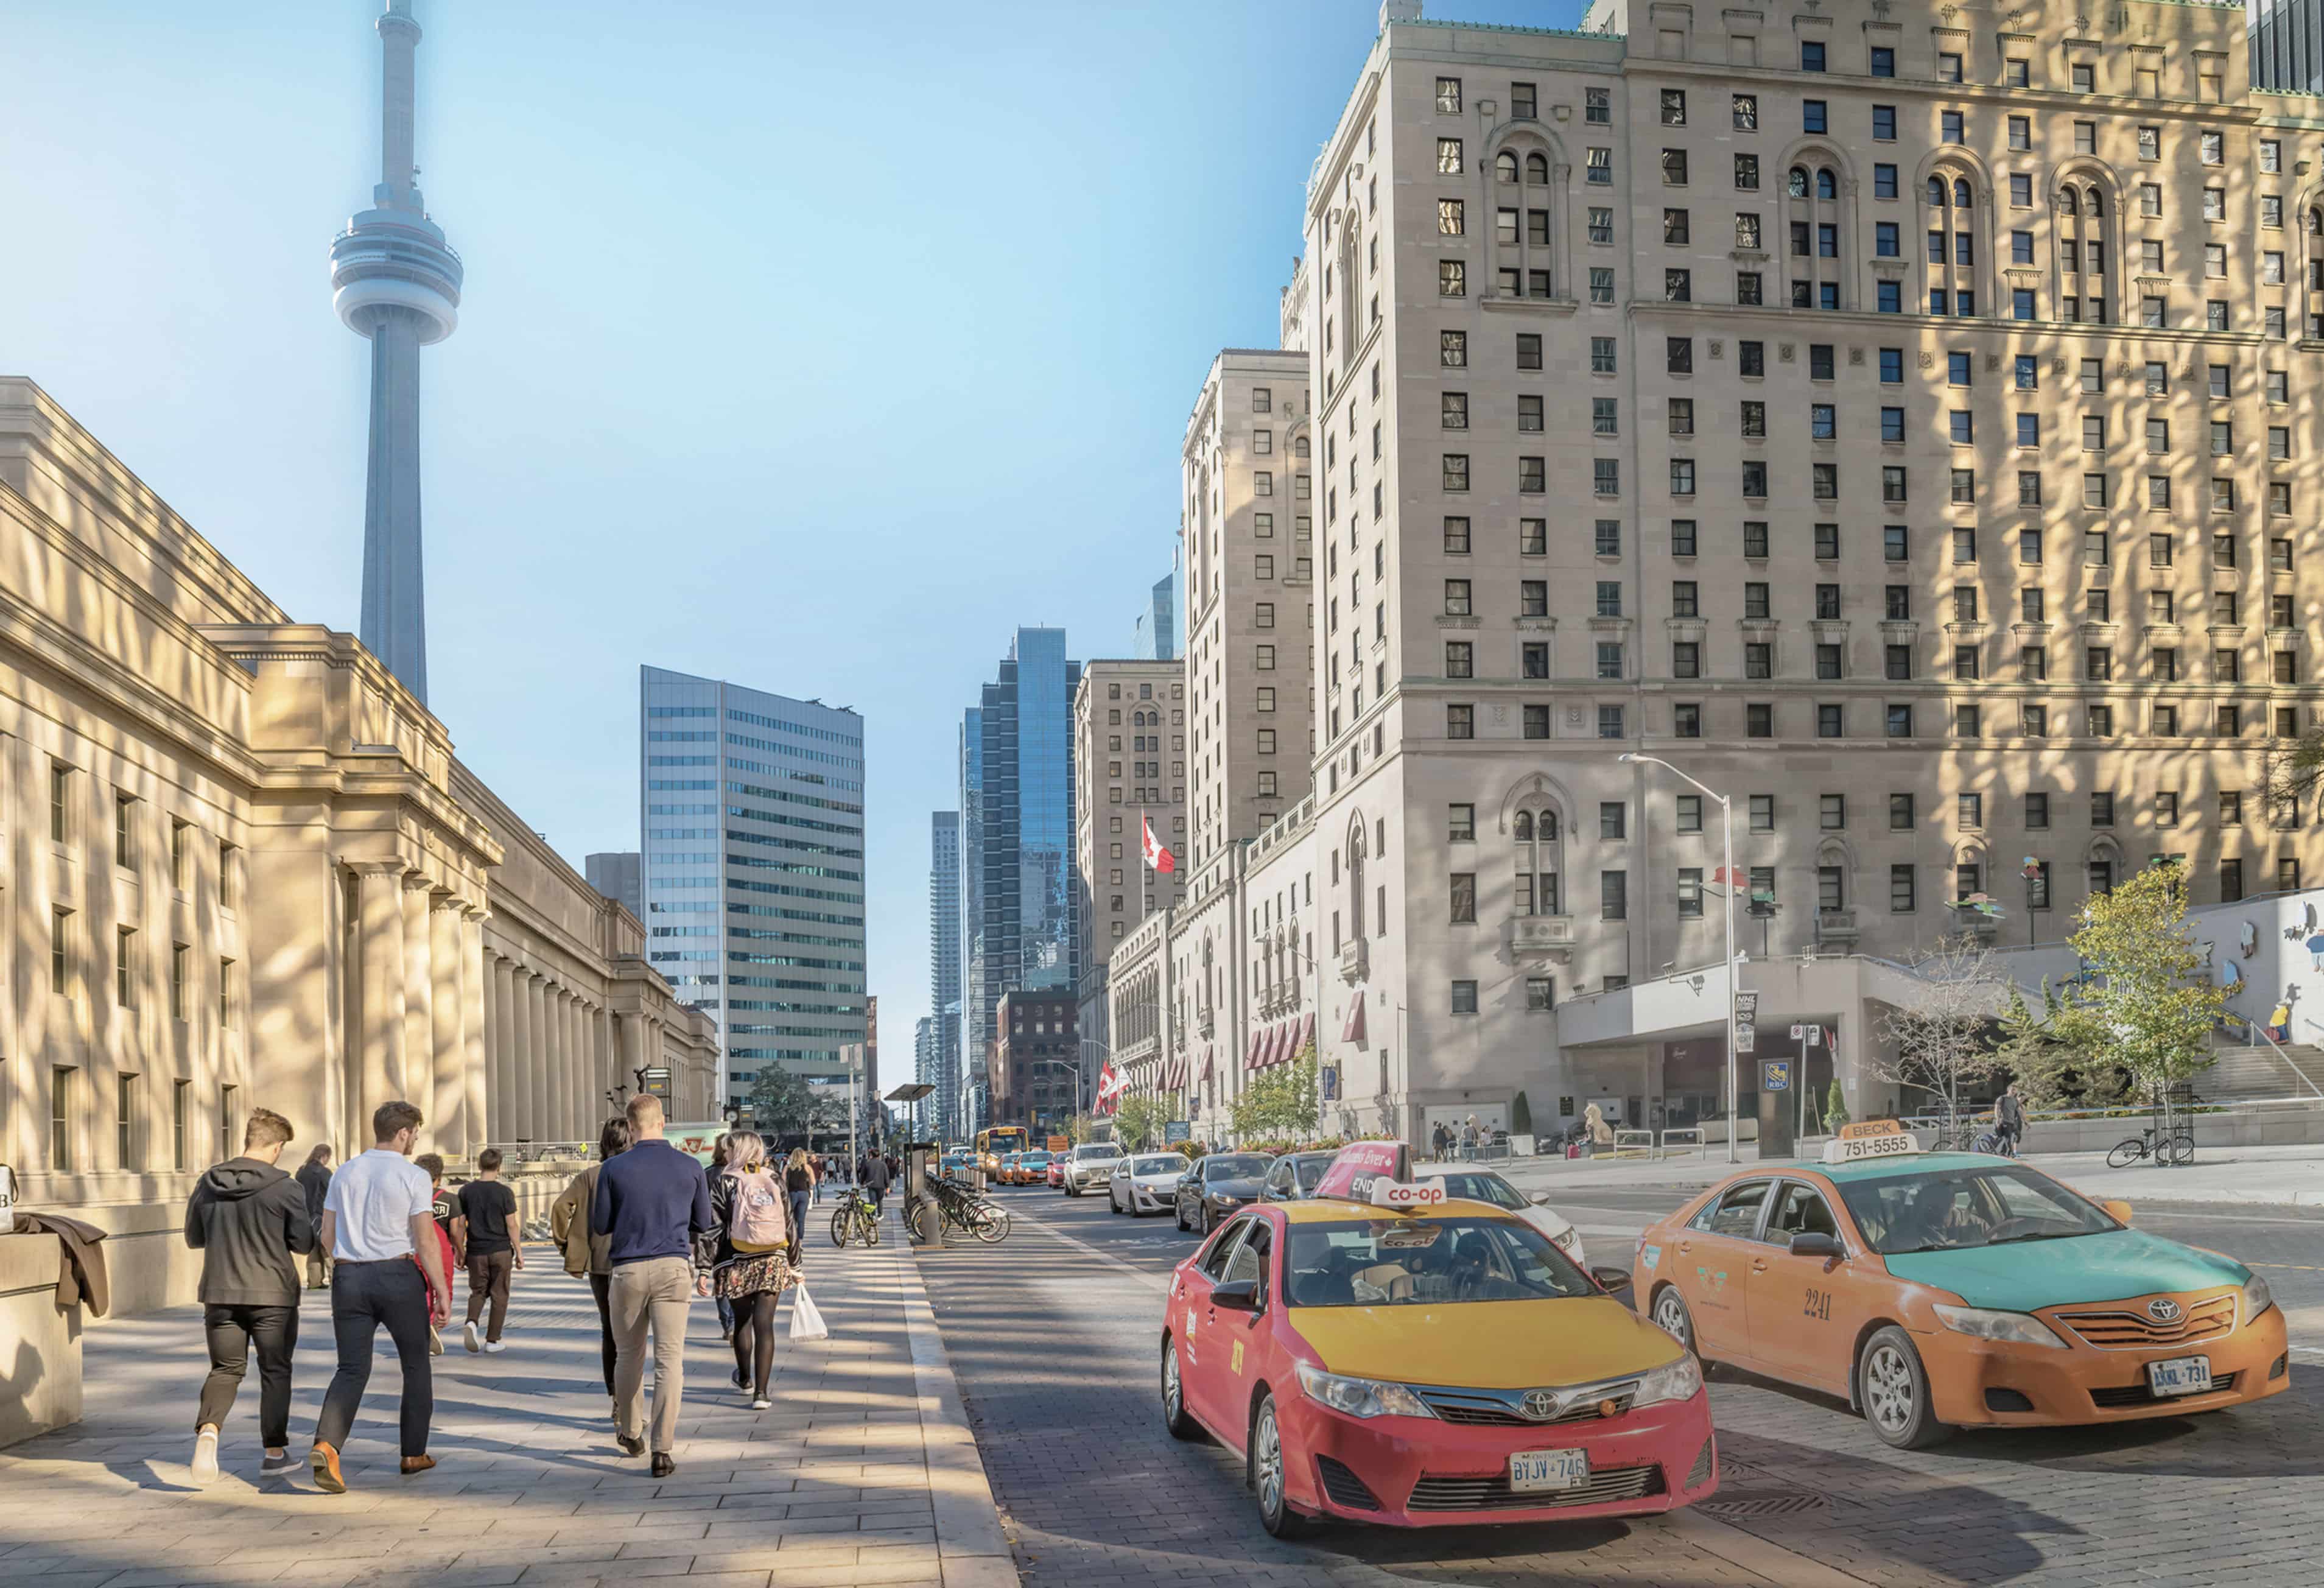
column 245, row 869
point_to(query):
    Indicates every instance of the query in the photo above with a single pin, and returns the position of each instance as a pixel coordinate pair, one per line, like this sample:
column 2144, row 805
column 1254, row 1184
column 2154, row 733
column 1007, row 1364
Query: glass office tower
column 753, row 874
column 944, row 968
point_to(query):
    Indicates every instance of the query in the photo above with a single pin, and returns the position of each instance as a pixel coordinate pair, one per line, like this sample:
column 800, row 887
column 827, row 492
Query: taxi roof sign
column 1872, row 1139
column 1870, row 1128
column 1408, row 1195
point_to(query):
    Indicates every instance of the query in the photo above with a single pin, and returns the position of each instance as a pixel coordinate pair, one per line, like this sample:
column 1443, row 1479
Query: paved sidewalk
column 863, row 1472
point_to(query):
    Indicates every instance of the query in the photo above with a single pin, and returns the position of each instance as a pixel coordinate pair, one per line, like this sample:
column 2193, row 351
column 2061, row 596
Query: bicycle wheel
column 989, row 1223
column 2125, row 1153
column 839, row 1222
column 2182, row 1148
column 915, row 1218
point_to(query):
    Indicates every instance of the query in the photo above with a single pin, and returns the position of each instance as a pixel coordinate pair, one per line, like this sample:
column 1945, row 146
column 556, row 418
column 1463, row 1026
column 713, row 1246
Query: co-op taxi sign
column 1871, row 1139
column 1379, row 1173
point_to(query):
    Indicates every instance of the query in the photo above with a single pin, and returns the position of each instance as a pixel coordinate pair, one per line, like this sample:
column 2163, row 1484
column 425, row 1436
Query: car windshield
column 1946, row 1209
column 1397, row 1262
column 1172, row 1165
column 1310, row 1171
column 1473, row 1187
column 1094, row 1154
column 1241, row 1166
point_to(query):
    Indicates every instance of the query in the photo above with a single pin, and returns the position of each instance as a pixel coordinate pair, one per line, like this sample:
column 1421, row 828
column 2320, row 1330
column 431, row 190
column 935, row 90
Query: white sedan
column 1147, row 1183
column 1477, row 1184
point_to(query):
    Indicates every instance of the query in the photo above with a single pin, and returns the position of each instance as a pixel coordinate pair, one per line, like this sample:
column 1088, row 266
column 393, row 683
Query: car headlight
column 1677, row 1382
column 2256, row 1297
column 1566, row 1240
column 2017, row 1328
column 1230, row 1201
column 1360, row 1397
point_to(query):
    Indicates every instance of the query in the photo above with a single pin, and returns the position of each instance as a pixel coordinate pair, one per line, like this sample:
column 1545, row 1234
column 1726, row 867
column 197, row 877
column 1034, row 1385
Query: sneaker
column 761, row 1404
column 468, row 1338
column 206, row 1467
column 740, row 1379
column 325, row 1463
column 495, row 1347
column 279, row 1463
column 434, row 1341
column 662, row 1465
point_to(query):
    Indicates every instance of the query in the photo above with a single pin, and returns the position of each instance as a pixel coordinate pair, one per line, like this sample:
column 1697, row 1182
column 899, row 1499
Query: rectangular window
column 1460, row 722
column 1463, row 903
column 60, row 1119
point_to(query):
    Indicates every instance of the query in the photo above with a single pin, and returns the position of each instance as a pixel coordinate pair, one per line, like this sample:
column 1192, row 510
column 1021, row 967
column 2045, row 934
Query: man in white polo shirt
column 387, row 1270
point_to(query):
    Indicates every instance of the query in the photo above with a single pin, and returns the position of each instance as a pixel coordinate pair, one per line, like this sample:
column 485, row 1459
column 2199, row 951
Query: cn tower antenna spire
column 395, row 282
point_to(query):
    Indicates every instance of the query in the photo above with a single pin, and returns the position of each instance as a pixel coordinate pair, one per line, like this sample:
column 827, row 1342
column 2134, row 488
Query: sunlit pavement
column 857, row 1475
column 1053, row 1339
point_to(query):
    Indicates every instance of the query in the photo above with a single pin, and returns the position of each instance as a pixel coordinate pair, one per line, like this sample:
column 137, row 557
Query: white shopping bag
column 806, row 1322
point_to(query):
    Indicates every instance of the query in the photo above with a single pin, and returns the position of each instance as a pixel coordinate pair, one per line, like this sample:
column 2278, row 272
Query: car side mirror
column 1611, row 1279
column 2119, row 1211
column 1816, row 1243
column 1236, row 1295
column 1539, row 1199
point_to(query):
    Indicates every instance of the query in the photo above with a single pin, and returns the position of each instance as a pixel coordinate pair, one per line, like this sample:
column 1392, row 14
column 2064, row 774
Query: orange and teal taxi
column 1944, row 1290
column 1381, row 1353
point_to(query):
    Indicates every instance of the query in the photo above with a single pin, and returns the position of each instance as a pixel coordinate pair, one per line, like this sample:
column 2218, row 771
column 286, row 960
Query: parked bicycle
column 2177, row 1146
column 855, row 1221
column 956, row 1210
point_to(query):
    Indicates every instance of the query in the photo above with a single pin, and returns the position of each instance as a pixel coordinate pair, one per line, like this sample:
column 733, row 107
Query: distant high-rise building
column 968, row 1051
column 943, row 964
column 1157, row 637
column 2287, row 45
column 614, row 875
column 753, row 874
column 1016, row 839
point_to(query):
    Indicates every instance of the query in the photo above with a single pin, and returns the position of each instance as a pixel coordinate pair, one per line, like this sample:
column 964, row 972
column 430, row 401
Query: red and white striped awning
column 1251, row 1055
column 1354, row 1030
column 1306, row 1032
column 1210, row 1061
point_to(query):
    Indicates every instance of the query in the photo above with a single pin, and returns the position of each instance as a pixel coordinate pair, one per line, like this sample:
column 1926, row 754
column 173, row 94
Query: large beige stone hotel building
column 243, row 868
column 1899, row 417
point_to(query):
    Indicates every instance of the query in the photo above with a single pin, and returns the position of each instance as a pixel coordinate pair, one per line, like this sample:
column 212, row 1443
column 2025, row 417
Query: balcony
column 1542, row 934
column 1836, row 927
column 1355, row 962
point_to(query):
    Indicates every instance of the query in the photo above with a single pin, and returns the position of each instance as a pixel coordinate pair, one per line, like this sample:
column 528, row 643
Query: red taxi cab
column 1940, row 1291
column 1381, row 1353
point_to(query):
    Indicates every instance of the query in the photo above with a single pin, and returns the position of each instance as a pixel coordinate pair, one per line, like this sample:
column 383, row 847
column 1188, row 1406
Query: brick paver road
column 1051, row 1338
column 840, row 1483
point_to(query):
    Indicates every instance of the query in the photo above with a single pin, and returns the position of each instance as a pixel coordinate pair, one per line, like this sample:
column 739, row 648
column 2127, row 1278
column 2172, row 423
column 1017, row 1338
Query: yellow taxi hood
column 1485, row 1344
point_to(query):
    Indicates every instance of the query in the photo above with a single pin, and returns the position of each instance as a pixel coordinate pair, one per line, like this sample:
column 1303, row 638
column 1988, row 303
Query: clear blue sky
column 815, row 346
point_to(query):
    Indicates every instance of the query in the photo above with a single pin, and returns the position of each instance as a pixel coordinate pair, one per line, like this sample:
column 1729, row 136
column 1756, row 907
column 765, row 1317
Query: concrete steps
column 2261, row 1071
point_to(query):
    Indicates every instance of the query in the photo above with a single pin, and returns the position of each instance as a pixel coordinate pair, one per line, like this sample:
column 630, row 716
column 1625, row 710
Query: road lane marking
column 1152, row 1281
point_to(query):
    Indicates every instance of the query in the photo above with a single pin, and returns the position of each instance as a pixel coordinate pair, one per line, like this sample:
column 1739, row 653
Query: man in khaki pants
column 650, row 1204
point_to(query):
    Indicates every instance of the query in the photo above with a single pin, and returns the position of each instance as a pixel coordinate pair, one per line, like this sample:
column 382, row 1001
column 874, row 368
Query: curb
column 970, row 1548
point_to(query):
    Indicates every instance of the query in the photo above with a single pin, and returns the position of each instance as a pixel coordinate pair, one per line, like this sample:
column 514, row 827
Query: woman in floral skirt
column 749, row 1255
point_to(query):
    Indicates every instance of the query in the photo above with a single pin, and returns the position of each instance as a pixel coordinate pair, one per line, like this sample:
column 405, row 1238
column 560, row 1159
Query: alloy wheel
column 1889, row 1388
column 1670, row 1316
column 1266, row 1460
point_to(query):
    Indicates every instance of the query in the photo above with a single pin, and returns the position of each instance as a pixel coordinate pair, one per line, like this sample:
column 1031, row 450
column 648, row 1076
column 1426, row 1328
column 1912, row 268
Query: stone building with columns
column 241, row 866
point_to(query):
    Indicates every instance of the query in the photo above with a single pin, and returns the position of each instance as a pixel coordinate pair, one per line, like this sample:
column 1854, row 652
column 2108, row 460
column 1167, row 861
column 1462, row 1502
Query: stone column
column 380, row 1034
column 520, row 1059
column 501, row 1106
column 448, row 1123
column 630, row 1032
column 568, row 1069
column 540, row 1086
column 419, row 1002
column 474, row 1011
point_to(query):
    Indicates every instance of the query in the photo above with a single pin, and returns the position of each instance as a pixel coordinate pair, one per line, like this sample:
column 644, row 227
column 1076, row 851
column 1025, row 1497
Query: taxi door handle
column 1759, row 1265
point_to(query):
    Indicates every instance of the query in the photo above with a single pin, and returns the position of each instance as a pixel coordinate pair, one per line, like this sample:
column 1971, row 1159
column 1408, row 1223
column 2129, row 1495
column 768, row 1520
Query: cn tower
column 394, row 280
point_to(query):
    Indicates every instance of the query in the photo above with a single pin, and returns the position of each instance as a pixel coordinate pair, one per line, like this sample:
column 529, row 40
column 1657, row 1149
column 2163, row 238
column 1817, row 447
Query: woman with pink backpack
column 750, row 1264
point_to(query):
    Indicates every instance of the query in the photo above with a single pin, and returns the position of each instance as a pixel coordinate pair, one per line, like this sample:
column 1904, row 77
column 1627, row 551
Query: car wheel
column 1671, row 1316
column 1893, row 1389
column 1112, row 1202
column 1209, row 1223
column 1174, row 1396
column 1179, row 1214
column 1266, row 1475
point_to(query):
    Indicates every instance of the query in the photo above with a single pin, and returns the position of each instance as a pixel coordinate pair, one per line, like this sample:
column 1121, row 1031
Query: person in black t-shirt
column 490, row 1239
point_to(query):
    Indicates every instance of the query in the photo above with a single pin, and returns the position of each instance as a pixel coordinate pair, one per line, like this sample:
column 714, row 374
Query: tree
column 1520, row 1116
column 1139, row 1120
column 1835, row 1109
column 2144, row 1001
column 781, row 1102
column 1942, row 1040
column 1278, row 1104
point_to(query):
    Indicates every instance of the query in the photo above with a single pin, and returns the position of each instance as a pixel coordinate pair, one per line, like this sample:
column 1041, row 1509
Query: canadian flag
column 1158, row 859
column 1110, row 1085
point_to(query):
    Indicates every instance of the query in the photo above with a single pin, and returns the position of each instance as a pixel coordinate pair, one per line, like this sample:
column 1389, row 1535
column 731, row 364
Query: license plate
column 2181, row 1375
column 1532, row 1471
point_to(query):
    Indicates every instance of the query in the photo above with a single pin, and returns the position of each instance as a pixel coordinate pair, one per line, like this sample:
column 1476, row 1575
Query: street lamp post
column 1727, row 837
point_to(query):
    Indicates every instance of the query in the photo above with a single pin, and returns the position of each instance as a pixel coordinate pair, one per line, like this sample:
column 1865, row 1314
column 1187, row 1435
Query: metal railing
column 2277, row 1048
column 1634, row 1144
column 544, row 1151
column 1663, row 1144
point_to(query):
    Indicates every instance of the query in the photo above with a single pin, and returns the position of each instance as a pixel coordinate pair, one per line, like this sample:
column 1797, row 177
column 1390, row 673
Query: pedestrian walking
column 1439, row 1140
column 748, row 1258
column 586, row 1254
column 315, row 1180
column 490, row 1242
column 799, row 1185
column 388, row 1273
column 248, row 1219
column 650, row 1202
column 873, row 1178
column 718, row 1160
column 439, row 1212
column 2009, row 1118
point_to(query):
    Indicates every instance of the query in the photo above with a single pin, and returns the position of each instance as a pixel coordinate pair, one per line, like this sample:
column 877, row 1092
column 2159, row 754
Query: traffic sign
column 1776, row 1075
column 1798, row 1032
column 1746, row 1036
column 1815, row 1037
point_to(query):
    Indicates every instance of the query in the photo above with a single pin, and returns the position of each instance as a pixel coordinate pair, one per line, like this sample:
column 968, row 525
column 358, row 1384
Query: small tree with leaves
column 1138, row 1120
column 780, row 1101
column 1943, row 1040
column 2143, row 1002
column 1835, row 1109
column 1278, row 1104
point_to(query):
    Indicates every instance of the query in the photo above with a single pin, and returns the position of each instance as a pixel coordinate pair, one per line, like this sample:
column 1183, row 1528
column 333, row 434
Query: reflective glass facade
column 944, row 965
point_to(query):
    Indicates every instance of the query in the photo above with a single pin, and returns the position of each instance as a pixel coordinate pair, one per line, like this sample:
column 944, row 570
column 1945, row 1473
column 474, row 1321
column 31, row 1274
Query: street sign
column 1747, row 1006
column 1798, row 1032
column 1746, row 1036
column 1776, row 1075
column 1330, row 1072
column 1178, row 1130
column 1815, row 1037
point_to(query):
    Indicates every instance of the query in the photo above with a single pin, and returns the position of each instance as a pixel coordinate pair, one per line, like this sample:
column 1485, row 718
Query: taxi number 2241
column 1819, row 1305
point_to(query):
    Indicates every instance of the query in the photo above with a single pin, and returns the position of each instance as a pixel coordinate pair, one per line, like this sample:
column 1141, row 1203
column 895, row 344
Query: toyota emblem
column 2164, row 1311
column 1539, row 1405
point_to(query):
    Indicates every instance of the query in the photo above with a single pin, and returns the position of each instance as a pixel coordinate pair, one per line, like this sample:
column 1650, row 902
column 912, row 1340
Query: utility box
column 920, row 1170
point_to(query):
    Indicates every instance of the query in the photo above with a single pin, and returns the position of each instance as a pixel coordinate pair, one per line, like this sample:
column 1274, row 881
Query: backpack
column 755, row 1223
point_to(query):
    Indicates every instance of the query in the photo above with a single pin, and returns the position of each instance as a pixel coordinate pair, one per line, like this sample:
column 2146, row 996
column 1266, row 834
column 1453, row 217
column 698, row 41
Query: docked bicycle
column 958, row 1210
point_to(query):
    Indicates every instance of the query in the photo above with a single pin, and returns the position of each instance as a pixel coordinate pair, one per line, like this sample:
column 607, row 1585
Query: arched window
column 2067, row 203
column 2081, row 252
column 1538, row 863
column 1815, row 227
column 1356, row 879
column 1797, row 184
column 1537, row 167
column 1826, row 187
column 1952, row 248
column 1522, row 266
column 1960, row 192
column 1505, row 165
column 2316, row 222
column 1937, row 192
column 2097, row 203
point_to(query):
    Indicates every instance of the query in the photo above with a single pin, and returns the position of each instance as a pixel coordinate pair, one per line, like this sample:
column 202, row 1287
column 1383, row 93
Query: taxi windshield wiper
column 2038, row 1235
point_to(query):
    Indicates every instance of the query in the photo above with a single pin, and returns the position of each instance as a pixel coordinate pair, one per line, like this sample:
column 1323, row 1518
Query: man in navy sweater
column 650, row 1202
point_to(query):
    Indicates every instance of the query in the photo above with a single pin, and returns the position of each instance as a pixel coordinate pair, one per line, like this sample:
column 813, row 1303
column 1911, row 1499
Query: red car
column 1445, row 1366
column 1057, row 1171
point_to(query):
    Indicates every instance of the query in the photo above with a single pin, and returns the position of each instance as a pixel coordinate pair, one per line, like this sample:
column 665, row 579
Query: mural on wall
column 2281, row 946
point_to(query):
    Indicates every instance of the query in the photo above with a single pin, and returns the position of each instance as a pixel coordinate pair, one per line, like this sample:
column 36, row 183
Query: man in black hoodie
column 248, row 1219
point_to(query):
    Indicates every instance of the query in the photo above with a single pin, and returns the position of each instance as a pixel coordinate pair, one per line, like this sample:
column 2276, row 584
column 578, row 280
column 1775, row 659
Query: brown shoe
column 417, row 1463
column 326, row 1463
